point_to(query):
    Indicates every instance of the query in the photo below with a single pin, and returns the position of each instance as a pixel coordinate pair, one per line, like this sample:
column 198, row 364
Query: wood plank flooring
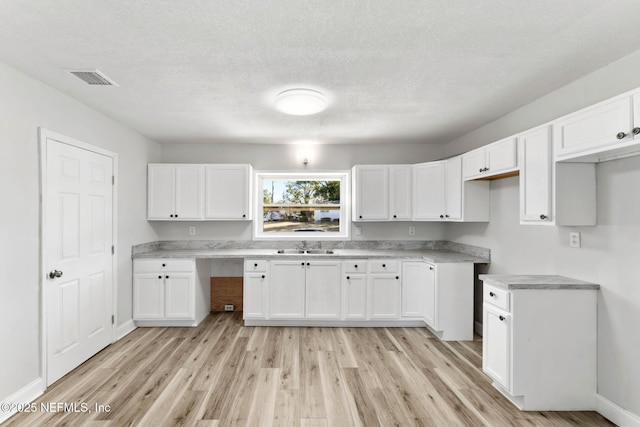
column 224, row 374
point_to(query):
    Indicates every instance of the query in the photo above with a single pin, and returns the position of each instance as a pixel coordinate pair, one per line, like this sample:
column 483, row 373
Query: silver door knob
column 55, row 273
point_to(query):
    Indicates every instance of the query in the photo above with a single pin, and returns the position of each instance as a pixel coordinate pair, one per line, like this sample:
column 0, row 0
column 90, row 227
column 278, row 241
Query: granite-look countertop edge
column 511, row 282
column 429, row 255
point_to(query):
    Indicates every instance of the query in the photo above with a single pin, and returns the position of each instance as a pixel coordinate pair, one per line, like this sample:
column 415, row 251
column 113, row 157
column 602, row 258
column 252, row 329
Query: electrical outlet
column 574, row 239
column 412, row 231
column 358, row 231
column 192, row 231
column 228, row 307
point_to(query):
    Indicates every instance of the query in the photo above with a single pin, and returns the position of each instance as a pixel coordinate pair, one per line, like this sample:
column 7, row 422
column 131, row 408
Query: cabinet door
column 502, row 156
column 148, row 296
column 413, row 281
column 400, row 192
column 228, row 192
column 286, row 290
column 383, row 292
column 189, row 192
column 323, row 291
column 429, row 307
column 636, row 115
column 534, row 151
column 496, row 349
column 593, row 128
column 371, row 193
column 179, row 296
column 429, row 188
column 473, row 163
column 453, row 196
column 255, row 295
column 160, row 191
column 354, row 303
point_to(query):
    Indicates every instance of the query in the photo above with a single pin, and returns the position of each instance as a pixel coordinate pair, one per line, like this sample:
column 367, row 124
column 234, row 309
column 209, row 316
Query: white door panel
column 78, row 234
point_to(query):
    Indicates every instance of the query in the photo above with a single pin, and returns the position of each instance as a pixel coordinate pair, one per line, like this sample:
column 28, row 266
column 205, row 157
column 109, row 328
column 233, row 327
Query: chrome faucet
column 304, row 245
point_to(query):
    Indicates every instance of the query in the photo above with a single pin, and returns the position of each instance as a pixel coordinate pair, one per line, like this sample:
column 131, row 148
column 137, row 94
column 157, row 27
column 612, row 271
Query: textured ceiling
column 412, row 70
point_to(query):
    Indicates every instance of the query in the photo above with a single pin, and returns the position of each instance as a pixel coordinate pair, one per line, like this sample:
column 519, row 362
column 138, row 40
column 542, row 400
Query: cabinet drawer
column 166, row 264
column 354, row 266
column 255, row 265
column 383, row 266
column 497, row 297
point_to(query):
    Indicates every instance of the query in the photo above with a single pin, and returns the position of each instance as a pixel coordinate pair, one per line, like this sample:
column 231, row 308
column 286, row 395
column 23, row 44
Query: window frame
column 345, row 206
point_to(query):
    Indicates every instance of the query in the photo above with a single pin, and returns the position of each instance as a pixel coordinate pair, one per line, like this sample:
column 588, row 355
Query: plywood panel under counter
column 226, row 290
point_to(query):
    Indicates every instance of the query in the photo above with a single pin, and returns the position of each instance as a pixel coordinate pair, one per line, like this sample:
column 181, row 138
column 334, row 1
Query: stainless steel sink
column 320, row 252
column 291, row 251
column 303, row 252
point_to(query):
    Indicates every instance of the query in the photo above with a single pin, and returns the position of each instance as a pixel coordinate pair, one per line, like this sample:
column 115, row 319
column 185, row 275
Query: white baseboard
column 26, row 395
column 125, row 329
column 615, row 413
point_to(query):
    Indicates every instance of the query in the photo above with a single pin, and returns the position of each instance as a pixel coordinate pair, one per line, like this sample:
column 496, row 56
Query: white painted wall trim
column 615, row 413
column 125, row 329
column 24, row 396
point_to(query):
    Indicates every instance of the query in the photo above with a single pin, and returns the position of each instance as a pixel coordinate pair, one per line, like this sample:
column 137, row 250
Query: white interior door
column 77, row 252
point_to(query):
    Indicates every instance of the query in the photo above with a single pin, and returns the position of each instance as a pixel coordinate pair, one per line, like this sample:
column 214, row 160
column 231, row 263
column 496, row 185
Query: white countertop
column 542, row 281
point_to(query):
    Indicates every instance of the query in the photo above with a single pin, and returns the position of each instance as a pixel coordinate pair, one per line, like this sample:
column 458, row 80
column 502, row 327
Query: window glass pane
column 297, row 205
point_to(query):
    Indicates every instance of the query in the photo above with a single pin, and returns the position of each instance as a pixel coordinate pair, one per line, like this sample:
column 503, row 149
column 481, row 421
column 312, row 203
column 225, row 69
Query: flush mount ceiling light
column 301, row 102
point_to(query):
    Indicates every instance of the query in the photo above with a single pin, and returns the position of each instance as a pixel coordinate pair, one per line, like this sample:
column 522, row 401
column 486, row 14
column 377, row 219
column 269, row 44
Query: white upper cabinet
column 534, row 149
column 400, row 192
column 453, row 189
column 371, row 192
column 597, row 129
column 429, row 201
column 175, row 192
column 553, row 193
column 491, row 160
column 228, row 192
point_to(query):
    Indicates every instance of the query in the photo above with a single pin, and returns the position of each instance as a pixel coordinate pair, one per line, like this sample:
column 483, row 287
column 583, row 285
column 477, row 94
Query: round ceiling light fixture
column 301, row 102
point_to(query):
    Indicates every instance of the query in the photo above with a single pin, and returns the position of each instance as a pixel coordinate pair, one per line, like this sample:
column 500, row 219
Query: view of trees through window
column 301, row 205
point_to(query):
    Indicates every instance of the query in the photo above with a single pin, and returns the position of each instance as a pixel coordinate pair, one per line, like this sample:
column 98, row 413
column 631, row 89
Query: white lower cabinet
column 256, row 289
column 323, row 290
column 414, row 281
column 539, row 346
column 354, row 290
column 170, row 292
column 287, row 290
column 383, row 290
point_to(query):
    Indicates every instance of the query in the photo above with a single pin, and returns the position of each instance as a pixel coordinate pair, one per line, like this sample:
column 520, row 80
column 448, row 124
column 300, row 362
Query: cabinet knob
column 255, row 265
column 441, row 216
column 159, row 277
column 171, row 215
column 302, row 263
column 355, row 266
column 431, row 268
column 308, row 263
column 360, row 216
column 446, row 216
column 166, row 277
column 397, row 277
column 176, row 215
column 491, row 294
column 543, row 216
column 395, row 216
column 384, row 265
column 501, row 318
column 348, row 277
column 164, row 265
column 636, row 131
column 263, row 276
column 244, row 215
column 481, row 170
column 621, row 135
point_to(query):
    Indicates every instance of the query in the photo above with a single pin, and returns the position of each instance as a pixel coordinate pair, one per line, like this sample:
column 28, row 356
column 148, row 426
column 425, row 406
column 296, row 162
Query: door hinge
column 113, row 250
column 113, row 180
column 113, row 319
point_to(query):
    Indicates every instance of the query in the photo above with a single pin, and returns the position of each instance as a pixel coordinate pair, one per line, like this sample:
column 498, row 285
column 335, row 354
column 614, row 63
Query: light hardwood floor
column 224, row 374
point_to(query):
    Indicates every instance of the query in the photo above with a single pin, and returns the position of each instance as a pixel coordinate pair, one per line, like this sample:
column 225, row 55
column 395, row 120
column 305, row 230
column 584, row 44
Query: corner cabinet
column 541, row 362
column 227, row 192
column 170, row 292
column 175, row 192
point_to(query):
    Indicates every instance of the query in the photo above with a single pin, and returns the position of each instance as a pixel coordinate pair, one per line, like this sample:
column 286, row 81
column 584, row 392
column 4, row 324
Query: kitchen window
column 300, row 206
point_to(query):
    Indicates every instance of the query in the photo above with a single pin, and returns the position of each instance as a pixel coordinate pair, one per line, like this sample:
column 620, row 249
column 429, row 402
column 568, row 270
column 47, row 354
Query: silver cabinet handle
column 55, row 273
column 636, row 131
column 501, row 318
column 543, row 216
column 621, row 135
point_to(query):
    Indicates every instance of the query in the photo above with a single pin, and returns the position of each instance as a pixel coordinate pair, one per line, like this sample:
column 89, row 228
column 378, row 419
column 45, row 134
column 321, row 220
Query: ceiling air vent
column 93, row 77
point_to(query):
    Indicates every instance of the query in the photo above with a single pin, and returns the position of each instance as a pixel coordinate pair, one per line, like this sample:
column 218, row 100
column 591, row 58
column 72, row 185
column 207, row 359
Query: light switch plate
column 574, row 239
column 192, row 231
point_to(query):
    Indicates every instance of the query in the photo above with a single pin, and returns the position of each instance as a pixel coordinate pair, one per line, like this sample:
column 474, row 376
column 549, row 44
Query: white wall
column 284, row 157
column 610, row 251
column 25, row 105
